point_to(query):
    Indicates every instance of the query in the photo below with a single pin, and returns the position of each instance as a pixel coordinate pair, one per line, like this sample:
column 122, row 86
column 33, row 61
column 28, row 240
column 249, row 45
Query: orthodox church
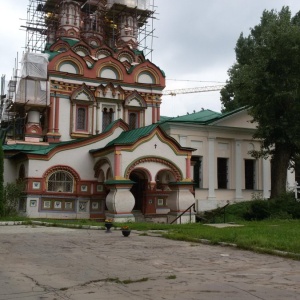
column 87, row 137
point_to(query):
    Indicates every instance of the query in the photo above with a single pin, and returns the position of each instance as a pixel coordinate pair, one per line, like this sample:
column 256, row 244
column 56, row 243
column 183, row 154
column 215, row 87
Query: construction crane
column 201, row 89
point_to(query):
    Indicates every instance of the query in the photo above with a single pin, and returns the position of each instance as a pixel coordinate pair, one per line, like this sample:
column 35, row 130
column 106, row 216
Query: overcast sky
column 195, row 42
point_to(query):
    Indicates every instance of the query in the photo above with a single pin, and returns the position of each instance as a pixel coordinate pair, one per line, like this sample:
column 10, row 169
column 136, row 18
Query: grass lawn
column 268, row 236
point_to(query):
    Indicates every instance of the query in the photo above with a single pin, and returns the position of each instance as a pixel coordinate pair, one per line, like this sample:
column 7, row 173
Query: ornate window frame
column 82, row 118
column 60, row 181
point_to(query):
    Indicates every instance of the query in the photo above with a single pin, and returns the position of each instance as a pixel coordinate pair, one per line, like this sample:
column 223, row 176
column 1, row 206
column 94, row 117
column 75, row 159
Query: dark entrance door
column 138, row 189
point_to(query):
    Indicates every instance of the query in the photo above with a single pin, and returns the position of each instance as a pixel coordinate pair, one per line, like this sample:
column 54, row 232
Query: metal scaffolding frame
column 42, row 13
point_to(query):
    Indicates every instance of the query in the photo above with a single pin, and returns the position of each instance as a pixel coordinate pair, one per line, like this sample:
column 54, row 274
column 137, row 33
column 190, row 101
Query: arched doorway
column 140, row 186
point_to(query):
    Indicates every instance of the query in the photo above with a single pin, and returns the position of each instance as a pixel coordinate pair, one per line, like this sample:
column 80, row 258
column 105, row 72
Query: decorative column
column 120, row 201
column 238, row 170
column 211, row 168
column 158, row 113
column 179, row 200
column 117, row 165
column 53, row 136
column 188, row 168
column 153, row 114
column 51, row 114
column 97, row 118
column 56, row 122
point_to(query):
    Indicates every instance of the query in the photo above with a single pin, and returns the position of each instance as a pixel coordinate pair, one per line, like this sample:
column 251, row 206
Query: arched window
column 69, row 67
column 60, row 181
column 107, row 117
column 110, row 73
column 133, row 120
column 81, row 120
column 146, row 77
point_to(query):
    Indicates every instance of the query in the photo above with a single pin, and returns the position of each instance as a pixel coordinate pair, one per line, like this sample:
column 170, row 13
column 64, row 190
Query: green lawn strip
column 264, row 236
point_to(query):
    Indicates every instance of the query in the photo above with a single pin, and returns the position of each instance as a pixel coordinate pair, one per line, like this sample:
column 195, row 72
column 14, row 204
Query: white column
column 290, row 180
column 94, row 114
column 211, row 168
column 266, row 178
column 238, row 170
column 98, row 118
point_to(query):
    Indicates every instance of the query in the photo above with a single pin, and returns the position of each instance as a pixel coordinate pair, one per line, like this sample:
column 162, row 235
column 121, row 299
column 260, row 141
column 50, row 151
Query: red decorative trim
column 33, row 129
column 82, row 89
column 174, row 169
column 144, row 170
column 61, row 168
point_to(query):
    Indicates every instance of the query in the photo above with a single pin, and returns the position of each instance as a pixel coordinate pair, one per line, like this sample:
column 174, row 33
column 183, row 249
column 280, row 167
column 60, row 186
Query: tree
column 266, row 79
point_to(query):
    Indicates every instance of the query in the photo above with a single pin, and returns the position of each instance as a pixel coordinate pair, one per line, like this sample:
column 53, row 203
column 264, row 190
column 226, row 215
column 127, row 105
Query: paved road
column 72, row 264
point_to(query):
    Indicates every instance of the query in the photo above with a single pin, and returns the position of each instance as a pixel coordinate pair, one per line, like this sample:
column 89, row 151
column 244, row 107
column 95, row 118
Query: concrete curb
column 11, row 223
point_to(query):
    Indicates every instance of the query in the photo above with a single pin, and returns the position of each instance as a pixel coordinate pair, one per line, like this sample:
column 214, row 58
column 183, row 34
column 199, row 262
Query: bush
column 11, row 197
column 258, row 210
column 285, row 203
column 284, row 207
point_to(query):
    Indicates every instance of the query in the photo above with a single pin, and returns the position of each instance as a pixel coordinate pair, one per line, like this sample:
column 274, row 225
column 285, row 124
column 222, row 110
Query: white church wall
column 10, row 171
column 64, row 119
column 148, row 116
column 78, row 158
column 148, row 149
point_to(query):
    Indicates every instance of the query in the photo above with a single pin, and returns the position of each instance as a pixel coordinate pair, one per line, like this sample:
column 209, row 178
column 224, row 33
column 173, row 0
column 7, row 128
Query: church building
column 84, row 129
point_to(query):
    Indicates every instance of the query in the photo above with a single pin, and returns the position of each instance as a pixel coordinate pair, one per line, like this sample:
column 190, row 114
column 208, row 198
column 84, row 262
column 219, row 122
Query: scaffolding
column 42, row 16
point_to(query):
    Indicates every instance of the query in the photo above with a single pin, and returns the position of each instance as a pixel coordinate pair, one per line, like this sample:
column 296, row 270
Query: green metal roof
column 109, row 126
column 51, row 54
column 130, row 137
column 36, row 149
column 71, row 42
column 203, row 117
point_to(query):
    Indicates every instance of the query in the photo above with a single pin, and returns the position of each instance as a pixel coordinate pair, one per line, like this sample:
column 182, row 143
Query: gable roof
column 130, row 137
column 45, row 149
column 35, row 149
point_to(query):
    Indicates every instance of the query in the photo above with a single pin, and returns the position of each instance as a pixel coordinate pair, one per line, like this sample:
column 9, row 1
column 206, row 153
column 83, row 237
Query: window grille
column 60, row 181
column 133, row 121
column 107, row 117
column 81, row 118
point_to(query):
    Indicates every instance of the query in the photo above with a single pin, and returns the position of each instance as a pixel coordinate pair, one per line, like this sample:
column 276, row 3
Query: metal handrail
column 190, row 209
column 217, row 211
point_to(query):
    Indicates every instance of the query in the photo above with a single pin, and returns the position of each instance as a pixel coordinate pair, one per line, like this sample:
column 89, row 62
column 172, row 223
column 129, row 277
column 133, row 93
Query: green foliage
column 258, row 210
column 284, row 207
column 11, row 197
column 265, row 78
